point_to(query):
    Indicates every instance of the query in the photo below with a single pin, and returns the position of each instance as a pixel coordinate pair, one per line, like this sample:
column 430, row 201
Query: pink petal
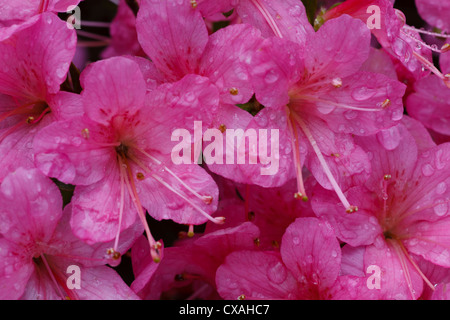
column 379, row 61
column 338, row 48
column 429, row 198
column 227, row 58
column 356, row 229
column 431, row 241
column 35, row 216
column 67, row 151
column 347, row 161
column 369, row 91
column 177, row 54
column 175, row 201
column 435, row 13
column 38, row 67
column 101, row 103
column 277, row 66
column 429, row 104
column 310, row 250
column 15, row 270
column 96, row 208
column 255, row 275
column 398, row 278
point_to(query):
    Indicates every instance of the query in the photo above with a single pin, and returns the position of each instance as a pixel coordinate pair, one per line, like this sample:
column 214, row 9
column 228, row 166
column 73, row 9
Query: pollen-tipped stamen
column 129, row 180
column 35, row 120
column 301, row 193
column 349, row 208
column 217, row 220
column 206, row 199
column 190, row 232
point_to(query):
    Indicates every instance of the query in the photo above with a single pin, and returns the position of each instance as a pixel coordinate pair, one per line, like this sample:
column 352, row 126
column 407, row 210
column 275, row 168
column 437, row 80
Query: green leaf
column 311, row 8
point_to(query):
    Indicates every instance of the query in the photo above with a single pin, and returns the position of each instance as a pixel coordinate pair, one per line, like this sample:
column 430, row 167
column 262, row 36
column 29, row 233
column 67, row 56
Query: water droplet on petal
column 271, row 76
column 363, row 93
column 441, row 188
column 296, row 11
column 441, row 208
column 427, row 170
column 276, row 272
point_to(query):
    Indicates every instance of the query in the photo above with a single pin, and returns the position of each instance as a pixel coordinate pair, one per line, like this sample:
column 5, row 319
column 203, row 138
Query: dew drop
column 363, row 93
column 350, row 114
column 296, row 11
column 441, row 188
column 276, row 272
column 271, row 76
column 441, row 209
column 427, row 170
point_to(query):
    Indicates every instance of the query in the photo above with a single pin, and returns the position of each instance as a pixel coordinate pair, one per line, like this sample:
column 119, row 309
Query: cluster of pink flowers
column 358, row 207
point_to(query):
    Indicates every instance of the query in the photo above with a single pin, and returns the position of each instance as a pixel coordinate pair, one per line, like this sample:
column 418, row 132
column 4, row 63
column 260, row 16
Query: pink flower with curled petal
column 35, row 57
column 16, row 11
column 435, row 13
column 37, row 246
column 402, row 41
column 318, row 98
column 118, row 153
column 306, row 268
column 403, row 211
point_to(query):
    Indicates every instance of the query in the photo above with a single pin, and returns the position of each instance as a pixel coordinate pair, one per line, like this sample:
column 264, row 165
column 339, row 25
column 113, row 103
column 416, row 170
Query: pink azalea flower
column 37, row 246
column 123, row 34
column 119, row 153
column 188, row 269
column 403, row 211
column 307, row 267
column 403, row 42
column 16, row 11
column 35, row 57
column 317, row 97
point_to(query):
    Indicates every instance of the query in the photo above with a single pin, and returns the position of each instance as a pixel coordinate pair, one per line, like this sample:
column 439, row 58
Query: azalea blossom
column 166, row 159
column 114, row 151
column 30, row 79
column 403, row 209
column 318, row 101
column 37, row 246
